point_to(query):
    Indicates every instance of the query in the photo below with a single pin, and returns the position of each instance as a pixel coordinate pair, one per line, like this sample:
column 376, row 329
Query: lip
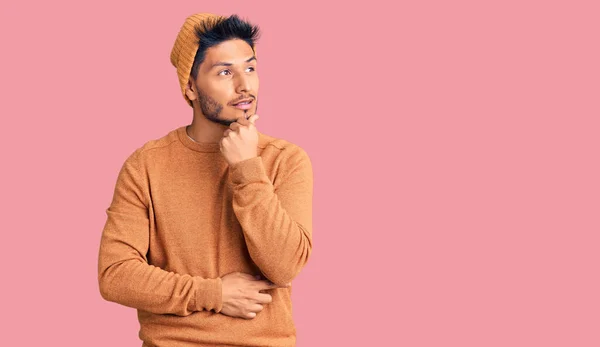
column 244, row 106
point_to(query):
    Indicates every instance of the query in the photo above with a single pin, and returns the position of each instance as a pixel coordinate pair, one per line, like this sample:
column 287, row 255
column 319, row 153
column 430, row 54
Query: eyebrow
column 221, row 63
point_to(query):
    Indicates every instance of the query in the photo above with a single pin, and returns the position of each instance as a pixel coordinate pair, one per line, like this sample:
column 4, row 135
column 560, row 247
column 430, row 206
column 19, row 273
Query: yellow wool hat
column 186, row 45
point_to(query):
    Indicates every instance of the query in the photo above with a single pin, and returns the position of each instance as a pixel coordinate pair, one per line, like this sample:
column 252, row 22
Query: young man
column 210, row 223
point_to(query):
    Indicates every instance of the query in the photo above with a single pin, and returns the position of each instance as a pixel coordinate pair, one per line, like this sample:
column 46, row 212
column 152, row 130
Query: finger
column 256, row 308
column 250, row 315
column 246, row 276
column 228, row 134
column 263, row 285
column 263, row 298
column 253, row 118
column 234, row 126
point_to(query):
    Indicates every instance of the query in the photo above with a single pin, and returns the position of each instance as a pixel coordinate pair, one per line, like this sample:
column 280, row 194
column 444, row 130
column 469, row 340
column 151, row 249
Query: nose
column 243, row 84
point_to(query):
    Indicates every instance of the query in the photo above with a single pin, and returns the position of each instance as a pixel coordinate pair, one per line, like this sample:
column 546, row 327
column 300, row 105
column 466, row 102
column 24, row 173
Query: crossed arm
column 276, row 221
column 124, row 275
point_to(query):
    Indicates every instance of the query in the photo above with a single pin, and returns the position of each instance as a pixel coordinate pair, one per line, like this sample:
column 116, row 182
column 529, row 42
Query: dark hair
column 210, row 34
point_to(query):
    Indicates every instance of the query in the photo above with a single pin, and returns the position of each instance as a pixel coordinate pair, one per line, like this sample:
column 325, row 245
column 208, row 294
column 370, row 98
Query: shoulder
column 152, row 148
column 285, row 158
column 165, row 141
column 283, row 150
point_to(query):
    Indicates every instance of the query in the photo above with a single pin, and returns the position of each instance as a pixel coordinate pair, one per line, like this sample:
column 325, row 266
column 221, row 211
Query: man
column 210, row 223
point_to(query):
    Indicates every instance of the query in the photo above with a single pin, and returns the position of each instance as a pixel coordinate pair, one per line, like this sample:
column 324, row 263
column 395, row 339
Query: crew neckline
column 208, row 146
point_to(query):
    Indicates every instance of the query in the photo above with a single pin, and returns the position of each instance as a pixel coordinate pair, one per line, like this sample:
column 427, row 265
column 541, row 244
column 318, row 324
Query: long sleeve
column 276, row 219
column 124, row 275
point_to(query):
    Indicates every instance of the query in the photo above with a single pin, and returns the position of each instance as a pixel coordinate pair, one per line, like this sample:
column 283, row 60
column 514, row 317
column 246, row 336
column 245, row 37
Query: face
column 226, row 76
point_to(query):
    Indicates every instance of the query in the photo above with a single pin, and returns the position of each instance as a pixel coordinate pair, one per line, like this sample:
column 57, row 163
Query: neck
column 204, row 131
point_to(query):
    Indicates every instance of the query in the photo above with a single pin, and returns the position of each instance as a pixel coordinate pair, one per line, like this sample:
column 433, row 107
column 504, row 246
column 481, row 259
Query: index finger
column 253, row 118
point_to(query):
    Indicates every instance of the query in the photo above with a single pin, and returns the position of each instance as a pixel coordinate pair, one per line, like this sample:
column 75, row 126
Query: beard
column 211, row 109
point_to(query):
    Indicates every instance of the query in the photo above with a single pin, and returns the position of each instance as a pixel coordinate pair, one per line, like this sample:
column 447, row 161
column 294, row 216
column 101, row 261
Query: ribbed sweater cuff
column 209, row 295
column 249, row 170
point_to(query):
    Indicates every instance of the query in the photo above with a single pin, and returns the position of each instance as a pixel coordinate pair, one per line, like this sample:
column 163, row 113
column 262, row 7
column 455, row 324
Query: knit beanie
column 186, row 45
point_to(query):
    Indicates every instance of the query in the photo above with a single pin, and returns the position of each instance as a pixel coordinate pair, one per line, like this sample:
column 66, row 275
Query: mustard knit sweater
column 181, row 218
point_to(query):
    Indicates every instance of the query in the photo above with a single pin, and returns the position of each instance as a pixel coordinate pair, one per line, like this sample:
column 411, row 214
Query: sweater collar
column 210, row 146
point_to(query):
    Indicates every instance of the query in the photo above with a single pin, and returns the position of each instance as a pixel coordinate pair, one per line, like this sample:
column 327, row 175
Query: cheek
column 222, row 93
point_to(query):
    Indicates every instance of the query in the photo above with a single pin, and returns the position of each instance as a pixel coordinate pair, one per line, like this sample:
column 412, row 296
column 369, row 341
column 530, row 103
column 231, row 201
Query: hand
column 242, row 297
column 240, row 141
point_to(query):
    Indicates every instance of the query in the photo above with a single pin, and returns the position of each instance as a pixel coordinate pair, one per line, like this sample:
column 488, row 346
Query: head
column 224, row 69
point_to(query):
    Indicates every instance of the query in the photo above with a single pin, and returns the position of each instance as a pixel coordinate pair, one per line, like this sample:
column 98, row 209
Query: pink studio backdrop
column 455, row 149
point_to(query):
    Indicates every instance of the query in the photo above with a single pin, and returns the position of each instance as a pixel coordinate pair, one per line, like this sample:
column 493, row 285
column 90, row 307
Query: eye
column 251, row 67
column 221, row 72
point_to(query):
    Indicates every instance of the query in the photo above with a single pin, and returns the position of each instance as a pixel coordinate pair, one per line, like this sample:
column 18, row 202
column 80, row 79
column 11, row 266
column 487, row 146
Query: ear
column 190, row 90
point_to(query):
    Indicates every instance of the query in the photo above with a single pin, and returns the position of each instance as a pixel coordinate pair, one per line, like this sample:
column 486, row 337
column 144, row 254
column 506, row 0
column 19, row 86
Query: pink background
column 455, row 148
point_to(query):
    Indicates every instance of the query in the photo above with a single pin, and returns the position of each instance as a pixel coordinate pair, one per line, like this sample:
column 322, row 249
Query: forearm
column 136, row 284
column 276, row 221
column 124, row 274
column 278, row 245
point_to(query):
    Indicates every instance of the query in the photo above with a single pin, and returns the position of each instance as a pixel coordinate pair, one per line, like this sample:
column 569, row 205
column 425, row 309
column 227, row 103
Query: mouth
column 244, row 104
